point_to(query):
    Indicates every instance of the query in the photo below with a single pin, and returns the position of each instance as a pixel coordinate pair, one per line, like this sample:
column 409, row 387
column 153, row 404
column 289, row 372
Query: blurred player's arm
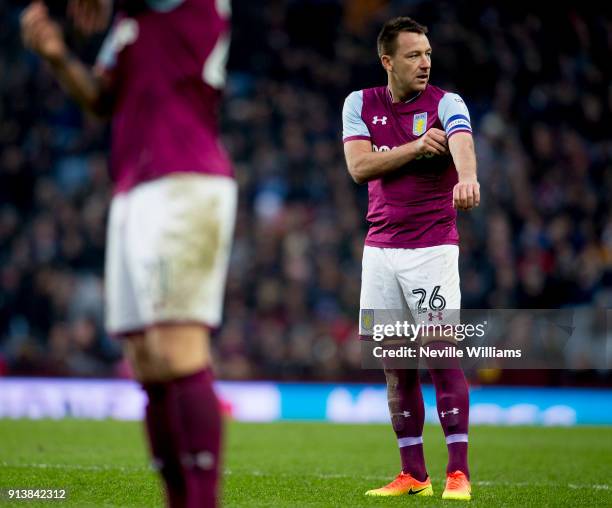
column 363, row 163
column 44, row 36
column 455, row 117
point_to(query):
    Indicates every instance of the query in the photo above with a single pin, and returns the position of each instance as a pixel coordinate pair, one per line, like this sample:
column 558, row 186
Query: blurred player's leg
column 183, row 415
column 162, row 436
column 168, row 252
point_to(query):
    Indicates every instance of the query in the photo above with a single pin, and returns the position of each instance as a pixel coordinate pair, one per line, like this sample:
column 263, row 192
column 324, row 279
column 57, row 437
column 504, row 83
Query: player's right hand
column 433, row 142
column 41, row 34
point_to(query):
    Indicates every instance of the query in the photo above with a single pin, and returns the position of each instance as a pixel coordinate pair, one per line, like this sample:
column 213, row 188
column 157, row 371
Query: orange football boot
column 457, row 487
column 404, row 484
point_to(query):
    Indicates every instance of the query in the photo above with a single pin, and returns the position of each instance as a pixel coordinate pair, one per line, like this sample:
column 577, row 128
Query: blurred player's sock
column 407, row 417
column 163, row 433
column 199, row 417
column 183, row 421
column 452, row 398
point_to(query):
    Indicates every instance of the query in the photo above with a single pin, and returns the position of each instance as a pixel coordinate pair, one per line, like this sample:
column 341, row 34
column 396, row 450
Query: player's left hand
column 466, row 195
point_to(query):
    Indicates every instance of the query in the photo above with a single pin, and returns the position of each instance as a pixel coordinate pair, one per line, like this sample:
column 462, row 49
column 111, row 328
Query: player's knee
column 147, row 368
column 138, row 353
column 179, row 350
column 392, row 379
column 401, row 379
column 166, row 353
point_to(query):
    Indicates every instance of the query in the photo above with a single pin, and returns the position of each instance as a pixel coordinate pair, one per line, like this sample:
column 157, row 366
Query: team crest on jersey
column 419, row 124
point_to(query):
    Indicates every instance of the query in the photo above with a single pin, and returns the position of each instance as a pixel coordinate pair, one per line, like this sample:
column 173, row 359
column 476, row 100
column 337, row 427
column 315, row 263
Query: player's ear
column 385, row 60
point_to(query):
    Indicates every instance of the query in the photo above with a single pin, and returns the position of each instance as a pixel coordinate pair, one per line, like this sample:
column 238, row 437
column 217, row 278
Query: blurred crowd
column 537, row 83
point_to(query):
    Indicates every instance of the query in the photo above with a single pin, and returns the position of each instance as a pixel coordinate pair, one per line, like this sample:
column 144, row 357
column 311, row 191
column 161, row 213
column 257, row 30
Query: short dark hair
column 387, row 38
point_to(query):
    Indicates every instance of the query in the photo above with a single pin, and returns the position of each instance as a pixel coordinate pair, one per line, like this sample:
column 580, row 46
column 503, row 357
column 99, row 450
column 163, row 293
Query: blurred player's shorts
column 417, row 285
column 168, row 248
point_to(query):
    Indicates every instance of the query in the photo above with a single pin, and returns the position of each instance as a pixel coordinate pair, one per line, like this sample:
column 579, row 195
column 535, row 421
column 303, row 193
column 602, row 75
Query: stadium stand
column 542, row 237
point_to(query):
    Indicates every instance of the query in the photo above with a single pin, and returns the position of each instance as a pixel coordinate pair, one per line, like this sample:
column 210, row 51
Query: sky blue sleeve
column 107, row 56
column 353, row 126
column 454, row 114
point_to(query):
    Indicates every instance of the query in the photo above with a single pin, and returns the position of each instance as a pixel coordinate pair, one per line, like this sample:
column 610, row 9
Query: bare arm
column 86, row 87
column 365, row 165
column 466, row 194
column 44, row 36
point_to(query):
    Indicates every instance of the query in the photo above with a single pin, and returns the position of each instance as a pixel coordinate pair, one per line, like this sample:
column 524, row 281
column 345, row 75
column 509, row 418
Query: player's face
column 411, row 63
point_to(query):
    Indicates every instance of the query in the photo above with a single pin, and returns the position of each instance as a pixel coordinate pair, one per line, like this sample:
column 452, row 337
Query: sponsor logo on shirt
column 379, row 119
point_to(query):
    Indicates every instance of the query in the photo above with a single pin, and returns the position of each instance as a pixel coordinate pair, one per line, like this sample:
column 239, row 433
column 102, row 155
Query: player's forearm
column 372, row 165
column 79, row 82
column 461, row 147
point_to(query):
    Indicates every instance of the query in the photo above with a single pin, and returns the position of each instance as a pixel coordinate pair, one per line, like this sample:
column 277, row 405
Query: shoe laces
column 456, row 480
column 399, row 480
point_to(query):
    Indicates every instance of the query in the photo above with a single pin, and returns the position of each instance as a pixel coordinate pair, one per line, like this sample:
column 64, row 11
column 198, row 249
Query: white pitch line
column 322, row 476
column 331, row 476
column 75, row 467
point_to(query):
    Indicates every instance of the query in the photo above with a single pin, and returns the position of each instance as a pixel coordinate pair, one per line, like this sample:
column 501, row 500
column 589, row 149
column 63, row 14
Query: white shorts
column 167, row 253
column 422, row 284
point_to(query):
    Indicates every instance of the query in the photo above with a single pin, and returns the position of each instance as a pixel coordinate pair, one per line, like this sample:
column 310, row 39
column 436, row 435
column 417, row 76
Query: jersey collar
column 405, row 105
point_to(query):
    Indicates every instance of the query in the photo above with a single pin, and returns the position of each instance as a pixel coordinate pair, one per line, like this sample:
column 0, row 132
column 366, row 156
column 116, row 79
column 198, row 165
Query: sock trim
column 456, row 438
column 409, row 441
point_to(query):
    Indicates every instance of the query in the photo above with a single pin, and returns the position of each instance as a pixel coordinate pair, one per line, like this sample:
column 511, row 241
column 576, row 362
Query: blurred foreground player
column 159, row 76
column 412, row 143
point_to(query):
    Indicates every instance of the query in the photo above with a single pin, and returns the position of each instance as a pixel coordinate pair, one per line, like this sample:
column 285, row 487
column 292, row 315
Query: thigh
column 181, row 229
column 382, row 300
column 122, row 309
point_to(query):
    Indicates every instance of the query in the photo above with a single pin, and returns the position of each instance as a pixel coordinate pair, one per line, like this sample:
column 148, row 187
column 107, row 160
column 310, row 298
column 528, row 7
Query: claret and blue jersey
column 166, row 66
column 411, row 207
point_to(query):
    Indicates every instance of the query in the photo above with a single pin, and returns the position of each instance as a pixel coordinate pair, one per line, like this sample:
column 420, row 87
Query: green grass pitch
column 298, row 465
